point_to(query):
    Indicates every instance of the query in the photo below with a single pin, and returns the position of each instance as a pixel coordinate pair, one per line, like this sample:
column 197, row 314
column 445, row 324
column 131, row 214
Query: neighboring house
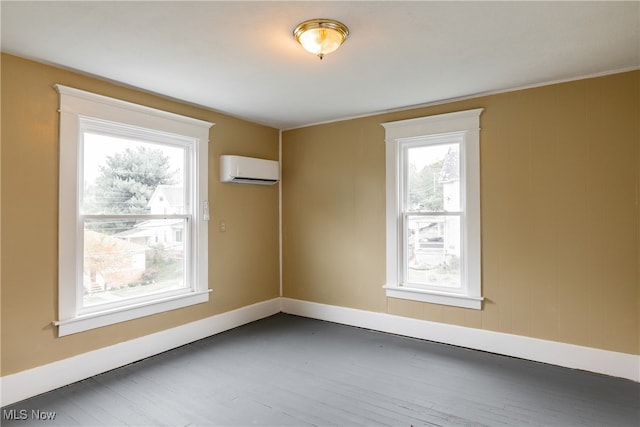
column 450, row 179
column 435, row 240
column 165, row 233
column 111, row 262
column 167, row 200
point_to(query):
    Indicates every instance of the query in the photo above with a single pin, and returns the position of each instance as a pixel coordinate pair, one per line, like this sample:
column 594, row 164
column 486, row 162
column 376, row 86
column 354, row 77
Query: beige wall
column 243, row 267
column 560, row 220
column 559, row 180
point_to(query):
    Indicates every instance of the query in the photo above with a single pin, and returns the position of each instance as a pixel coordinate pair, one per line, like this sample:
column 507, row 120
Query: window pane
column 433, row 178
column 131, row 259
column 124, row 176
column 433, row 250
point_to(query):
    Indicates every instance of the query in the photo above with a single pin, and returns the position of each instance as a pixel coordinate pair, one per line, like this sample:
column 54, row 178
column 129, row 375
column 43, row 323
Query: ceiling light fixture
column 321, row 36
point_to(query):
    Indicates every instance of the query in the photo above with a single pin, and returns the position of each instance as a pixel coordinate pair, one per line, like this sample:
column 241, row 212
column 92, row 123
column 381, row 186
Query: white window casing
column 459, row 127
column 80, row 110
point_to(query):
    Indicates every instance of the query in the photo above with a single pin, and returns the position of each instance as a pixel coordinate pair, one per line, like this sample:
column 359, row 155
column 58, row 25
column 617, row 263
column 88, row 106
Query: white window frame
column 464, row 126
column 76, row 105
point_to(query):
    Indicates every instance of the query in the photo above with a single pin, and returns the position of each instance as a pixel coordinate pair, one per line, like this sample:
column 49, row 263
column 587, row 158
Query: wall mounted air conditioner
column 249, row 170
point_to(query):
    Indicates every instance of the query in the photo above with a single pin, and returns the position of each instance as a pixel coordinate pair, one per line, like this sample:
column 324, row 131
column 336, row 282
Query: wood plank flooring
column 292, row 371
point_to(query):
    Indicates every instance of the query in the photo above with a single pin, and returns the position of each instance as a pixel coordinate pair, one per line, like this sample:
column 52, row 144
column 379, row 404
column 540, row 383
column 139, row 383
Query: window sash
column 404, row 147
column 141, row 216
column 429, row 141
column 189, row 264
column 132, row 135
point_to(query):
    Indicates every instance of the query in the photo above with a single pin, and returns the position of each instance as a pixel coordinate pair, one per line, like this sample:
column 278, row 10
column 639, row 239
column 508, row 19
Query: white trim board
column 29, row 383
column 572, row 356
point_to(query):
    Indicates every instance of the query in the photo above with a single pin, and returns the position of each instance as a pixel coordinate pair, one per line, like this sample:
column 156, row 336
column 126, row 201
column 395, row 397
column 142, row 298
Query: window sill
column 444, row 298
column 105, row 318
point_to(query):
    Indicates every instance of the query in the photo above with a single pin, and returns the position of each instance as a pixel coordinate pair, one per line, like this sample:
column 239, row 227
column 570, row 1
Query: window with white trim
column 133, row 211
column 433, row 209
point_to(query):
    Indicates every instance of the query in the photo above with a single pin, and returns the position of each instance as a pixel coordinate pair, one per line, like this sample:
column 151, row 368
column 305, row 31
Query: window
column 133, row 211
column 433, row 209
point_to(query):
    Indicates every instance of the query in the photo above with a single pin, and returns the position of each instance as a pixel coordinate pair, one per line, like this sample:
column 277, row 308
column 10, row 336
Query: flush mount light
column 321, row 36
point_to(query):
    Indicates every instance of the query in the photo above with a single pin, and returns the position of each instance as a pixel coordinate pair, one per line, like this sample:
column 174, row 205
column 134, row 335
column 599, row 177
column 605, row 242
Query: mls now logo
column 15, row 414
column 23, row 414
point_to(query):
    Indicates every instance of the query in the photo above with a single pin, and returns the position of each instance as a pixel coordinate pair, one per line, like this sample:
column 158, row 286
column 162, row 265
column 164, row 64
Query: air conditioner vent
column 249, row 170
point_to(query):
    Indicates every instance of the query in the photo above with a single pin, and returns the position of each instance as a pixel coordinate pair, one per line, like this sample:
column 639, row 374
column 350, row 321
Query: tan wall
column 559, row 177
column 243, row 267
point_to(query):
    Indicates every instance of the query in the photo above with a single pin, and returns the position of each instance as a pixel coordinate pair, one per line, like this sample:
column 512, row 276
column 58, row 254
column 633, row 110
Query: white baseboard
column 29, row 383
column 606, row 362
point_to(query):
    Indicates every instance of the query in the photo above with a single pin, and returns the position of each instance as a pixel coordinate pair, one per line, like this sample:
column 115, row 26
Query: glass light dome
column 321, row 36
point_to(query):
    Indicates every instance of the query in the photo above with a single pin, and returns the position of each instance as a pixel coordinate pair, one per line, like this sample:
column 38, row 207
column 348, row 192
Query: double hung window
column 133, row 211
column 433, row 209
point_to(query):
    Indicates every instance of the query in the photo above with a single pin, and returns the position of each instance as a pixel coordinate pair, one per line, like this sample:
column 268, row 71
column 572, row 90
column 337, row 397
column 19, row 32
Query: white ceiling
column 240, row 58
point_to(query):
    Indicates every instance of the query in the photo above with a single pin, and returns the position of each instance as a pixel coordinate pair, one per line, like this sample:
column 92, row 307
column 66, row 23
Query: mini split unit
column 249, row 170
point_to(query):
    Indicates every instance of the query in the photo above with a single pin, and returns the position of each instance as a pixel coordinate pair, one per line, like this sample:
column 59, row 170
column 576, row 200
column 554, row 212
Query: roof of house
column 95, row 241
column 149, row 228
column 172, row 194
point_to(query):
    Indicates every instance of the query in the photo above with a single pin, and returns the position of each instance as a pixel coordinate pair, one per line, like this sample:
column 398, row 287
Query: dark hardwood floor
column 292, row 371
